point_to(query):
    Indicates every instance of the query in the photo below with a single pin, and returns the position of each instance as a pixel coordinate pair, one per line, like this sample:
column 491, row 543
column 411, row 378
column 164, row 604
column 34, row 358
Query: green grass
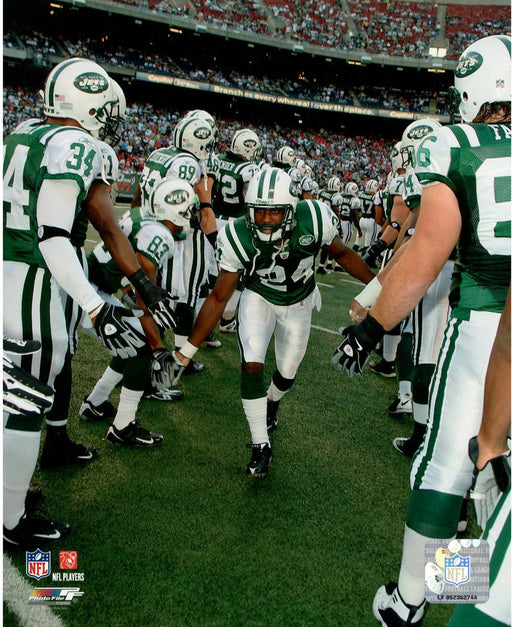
column 179, row 536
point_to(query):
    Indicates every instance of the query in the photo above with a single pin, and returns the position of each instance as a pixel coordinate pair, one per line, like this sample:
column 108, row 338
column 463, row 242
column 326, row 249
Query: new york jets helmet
column 111, row 131
column 246, row 143
column 271, row 188
column 396, row 158
column 412, row 136
column 203, row 115
column 308, row 171
column 371, row 186
column 351, row 188
column 300, row 164
column 173, row 199
column 80, row 90
column 334, row 184
column 194, row 135
column 482, row 75
column 286, row 156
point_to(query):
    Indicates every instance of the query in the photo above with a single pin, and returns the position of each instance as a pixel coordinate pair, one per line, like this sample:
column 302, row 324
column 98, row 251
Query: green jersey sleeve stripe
column 465, row 135
column 316, row 218
column 235, row 242
column 435, row 177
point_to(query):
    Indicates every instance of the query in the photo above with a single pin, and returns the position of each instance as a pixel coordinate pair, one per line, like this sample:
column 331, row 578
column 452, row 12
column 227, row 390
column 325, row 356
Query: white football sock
column 256, row 413
column 104, row 387
column 274, row 393
column 404, row 389
column 127, row 408
column 420, row 413
column 389, row 346
column 21, row 450
column 411, row 581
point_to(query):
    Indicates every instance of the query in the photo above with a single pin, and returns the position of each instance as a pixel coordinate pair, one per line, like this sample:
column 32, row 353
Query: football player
column 465, row 173
column 367, row 222
column 285, row 158
column 50, row 190
column 334, row 186
column 193, row 141
column 274, row 248
column 171, row 206
column 235, row 169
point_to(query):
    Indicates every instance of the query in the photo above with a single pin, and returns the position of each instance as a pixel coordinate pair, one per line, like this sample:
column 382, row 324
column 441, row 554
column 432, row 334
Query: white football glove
column 166, row 369
column 23, row 394
column 488, row 483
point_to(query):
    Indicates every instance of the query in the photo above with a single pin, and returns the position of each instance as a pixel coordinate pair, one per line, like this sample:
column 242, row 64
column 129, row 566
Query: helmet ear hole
column 465, row 96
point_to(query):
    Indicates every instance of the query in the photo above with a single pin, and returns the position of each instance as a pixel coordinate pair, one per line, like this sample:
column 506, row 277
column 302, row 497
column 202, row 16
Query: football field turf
column 177, row 535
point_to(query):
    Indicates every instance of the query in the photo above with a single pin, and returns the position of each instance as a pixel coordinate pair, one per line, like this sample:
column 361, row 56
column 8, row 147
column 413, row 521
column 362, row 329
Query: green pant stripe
column 502, row 542
column 26, row 313
column 417, row 319
column 46, row 329
column 436, row 403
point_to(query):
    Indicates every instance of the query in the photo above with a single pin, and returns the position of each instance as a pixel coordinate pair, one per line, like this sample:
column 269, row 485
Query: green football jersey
column 228, row 190
column 474, row 161
column 148, row 237
column 326, row 196
column 165, row 163
column 282, row 273
column 367, row 205
column 33, row 152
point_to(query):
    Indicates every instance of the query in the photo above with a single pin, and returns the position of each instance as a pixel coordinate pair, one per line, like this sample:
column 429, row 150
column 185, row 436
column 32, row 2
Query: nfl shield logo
column 456, row 569
column 38, row 564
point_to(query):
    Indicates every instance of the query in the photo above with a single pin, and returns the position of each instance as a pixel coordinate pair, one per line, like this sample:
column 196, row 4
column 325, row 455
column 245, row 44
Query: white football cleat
column 391, row 610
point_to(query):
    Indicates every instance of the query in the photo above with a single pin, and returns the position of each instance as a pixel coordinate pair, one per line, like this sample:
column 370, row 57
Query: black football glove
column 120, row 331
column 23, row 394
column 360, row 341
column 370, row 256
column 165, row 369
column 160, row 305
column 488, row 483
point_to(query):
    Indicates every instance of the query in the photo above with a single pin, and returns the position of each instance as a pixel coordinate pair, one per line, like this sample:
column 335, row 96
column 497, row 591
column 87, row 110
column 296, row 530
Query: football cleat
column 384, row 368
column 133, row 435
column 103, row 411
column 272, row 417
column 170, row 394
column 211, row 341
column 33, row 498
column 401, row 406
column 59, row 450
column 34, row 529
column 260, row 460
column 391, row 611
column 321, row 270
column 194, row 367
column 406, row 446
column 227, row 326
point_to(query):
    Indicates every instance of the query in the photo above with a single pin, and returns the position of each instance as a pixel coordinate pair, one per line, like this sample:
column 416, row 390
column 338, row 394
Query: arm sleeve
column 56, row 207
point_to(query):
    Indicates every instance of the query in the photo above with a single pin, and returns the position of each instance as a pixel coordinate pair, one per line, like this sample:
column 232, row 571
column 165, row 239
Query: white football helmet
column 295, row 175
column 371, row 186
column 271, row 188
column 300, row 164
column 334, row 184
column 308, row 171
column 351, row 188
column 483, row 75
column 286, row 155
column 173, row 199
column 396, row 158
column 246, row 143
column 194, row 135
column 412, row 136
column 81, row 90
column 202, row 115
column 111, row 132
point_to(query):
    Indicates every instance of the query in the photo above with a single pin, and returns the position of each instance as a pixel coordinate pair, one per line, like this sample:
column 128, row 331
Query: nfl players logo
column 456, row 569
column 38, row 564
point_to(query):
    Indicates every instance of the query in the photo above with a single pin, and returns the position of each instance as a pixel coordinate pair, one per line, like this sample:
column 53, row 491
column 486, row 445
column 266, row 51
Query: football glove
column 488, row 483
column 23, row 394
column 360, row 340
column 120, row 331
column 370, row 256
column 162, row 369
column 160, row 305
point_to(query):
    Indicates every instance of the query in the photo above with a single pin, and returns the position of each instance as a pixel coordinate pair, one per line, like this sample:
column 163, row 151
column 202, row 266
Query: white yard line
column 16, row 594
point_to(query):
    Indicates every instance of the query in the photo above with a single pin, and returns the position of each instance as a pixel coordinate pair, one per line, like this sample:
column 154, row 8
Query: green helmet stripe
column 51, row 87
column 506, row 41
column 181, row 130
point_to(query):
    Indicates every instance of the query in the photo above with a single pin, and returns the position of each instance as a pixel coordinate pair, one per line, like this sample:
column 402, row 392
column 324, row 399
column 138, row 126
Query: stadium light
column 437, row 51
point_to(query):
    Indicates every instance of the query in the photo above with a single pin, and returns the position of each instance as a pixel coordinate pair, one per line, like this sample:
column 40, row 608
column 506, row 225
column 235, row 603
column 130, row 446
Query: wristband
column 395, row 226
column 188, row 350
column 409, row 231
column 367, row 297
column 212, row 237
column 204, row 205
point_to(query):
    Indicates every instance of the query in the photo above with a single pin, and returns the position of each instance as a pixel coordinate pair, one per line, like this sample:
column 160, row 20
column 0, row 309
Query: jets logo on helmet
column 202, row 133
column 419, row 132
column 91, row 83
column 468, row 64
